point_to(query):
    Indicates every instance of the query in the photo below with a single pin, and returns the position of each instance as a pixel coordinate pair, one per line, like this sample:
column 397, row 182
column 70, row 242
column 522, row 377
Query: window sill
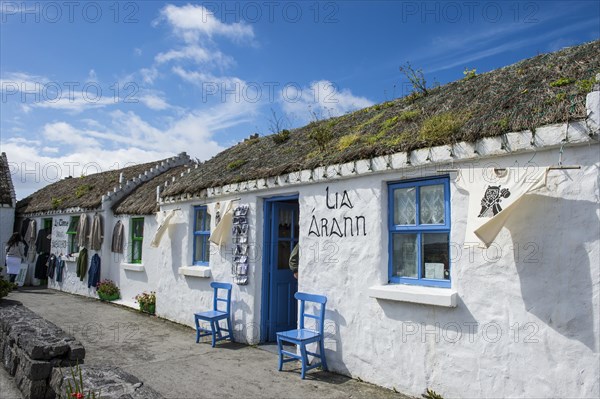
column 136, row 267
column 416, row 294
column 195, row 271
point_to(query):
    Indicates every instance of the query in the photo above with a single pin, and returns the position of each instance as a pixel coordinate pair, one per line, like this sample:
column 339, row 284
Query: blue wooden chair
column 304, row 336
column 215, row 315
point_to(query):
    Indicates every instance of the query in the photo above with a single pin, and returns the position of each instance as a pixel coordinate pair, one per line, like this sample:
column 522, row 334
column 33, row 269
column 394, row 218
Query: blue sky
column 90, row 85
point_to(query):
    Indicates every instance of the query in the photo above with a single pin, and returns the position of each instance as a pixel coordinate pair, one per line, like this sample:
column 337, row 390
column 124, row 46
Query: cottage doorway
column 280, row 311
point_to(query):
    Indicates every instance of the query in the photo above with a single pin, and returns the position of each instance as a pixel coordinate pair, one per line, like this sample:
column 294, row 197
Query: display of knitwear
column 239, row 234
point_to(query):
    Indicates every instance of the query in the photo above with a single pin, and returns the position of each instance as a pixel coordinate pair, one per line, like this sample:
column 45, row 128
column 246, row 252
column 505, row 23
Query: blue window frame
column 201, row 233
column 419, row 232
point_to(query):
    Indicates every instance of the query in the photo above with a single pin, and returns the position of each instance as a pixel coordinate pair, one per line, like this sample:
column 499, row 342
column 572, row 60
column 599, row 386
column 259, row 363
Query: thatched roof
column 546, row 89
column 7, row 190
column 142, row 200
column 82, row 192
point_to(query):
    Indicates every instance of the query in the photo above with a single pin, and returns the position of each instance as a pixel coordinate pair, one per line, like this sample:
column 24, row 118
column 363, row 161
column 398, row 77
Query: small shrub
column 321, row 135
column 409, row 116
column 441, row 125
column 281, row 137
column 348, row 140
column 469, row 73
column 235, row 164
column 5, row 286
column 562, row 82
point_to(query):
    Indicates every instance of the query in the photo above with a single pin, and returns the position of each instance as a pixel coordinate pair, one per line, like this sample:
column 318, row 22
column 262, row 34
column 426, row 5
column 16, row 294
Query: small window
column 73, row 240
column 201, row 234
column 137, row 237
column 419, row 226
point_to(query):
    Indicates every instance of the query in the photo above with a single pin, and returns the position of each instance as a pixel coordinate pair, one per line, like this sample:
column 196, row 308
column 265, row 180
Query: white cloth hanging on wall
column 160, row 231
column 82, row 231
column 493, row 195
column 222, row 231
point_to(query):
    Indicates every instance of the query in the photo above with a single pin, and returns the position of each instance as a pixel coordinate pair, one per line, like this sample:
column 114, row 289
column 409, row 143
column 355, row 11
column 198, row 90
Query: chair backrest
column 216, row 299
column 303, row 297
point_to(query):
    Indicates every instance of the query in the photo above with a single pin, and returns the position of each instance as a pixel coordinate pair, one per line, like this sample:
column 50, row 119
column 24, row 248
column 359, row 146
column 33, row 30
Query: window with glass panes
column 419, row 227
column 201, row 234
column 137, row 237
column 72, row 234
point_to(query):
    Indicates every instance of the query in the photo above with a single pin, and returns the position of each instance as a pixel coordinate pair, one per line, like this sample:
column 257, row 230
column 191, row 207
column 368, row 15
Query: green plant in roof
column 235, row 164
column 281, row 137
column 469, row 73
column 388, row 124
column 409, row 116
column 442, row 125
column 585, row 85
column 503, row 124
column 562, row 82
column 82, row 190
column 321, row 135
column 56, row 202
column 348, row 140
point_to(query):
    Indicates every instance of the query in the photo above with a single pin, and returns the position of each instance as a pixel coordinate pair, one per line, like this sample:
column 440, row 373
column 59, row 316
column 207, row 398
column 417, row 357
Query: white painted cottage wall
column 527, row 314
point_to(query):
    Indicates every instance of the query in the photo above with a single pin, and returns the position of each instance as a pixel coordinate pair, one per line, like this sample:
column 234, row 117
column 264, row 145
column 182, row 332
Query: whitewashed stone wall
column 7, row 220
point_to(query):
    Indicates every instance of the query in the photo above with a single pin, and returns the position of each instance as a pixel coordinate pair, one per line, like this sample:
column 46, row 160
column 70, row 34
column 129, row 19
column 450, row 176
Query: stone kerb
column 30, row 347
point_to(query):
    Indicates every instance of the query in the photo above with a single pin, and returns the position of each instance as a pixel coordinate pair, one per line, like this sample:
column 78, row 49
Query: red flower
column 77, row 395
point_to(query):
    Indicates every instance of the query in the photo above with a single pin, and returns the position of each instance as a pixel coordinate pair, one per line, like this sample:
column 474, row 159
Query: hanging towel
column 493, row 196
column 117, row 238
column 162, row 228
column 96, row 233
column 222, row 231
column 31, row 234
column 81, row 231
column 94, row 275
column 82, row 260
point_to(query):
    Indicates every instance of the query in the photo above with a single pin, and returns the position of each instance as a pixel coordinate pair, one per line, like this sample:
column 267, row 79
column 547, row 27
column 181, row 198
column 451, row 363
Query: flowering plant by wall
column 107, row 290
column 147, row 301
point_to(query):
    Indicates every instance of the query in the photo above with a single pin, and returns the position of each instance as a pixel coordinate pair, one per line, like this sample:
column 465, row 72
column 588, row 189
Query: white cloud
column 137, row 51
column 149, row 75
column 154, row 102
column 193, row 21
column 196, row 54
column 322, row 98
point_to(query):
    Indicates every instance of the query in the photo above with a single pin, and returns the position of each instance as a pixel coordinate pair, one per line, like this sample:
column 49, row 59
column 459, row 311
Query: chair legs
column 303, row 357
column 215, row 331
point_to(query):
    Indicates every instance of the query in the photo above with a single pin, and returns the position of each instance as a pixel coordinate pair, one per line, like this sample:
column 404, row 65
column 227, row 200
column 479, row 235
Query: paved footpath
column 164, row 355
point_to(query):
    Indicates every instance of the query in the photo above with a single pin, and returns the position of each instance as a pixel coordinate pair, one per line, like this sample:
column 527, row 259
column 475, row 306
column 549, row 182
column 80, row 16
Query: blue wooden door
column 283, row 285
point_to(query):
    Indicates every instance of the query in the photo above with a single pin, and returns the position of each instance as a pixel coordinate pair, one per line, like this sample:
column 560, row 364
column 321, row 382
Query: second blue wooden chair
column 304, row 336
column 215, row 316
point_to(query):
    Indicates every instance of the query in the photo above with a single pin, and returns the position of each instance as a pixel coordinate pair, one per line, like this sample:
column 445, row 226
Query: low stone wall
column 106, row 382
column 30, row 347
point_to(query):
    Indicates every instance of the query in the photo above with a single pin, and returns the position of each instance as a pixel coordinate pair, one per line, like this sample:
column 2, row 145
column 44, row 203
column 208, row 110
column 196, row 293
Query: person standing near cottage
column 294, row 260
column 14, row 255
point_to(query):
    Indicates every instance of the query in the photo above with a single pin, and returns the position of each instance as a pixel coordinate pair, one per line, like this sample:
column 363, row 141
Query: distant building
column 7, row 204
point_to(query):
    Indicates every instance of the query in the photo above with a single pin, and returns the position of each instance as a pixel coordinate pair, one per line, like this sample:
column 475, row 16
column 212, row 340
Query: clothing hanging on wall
column 82, row 260
column 94, row 273
column 82, row 228
column 40, row 267
column 164, row 224
column 493, row 195
column 42, row 243
column 117, row 238
column 51, row 265
column 96, row 233
column 60, row 264
column 24, row 228
column 222, row 231
column 31, row 233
